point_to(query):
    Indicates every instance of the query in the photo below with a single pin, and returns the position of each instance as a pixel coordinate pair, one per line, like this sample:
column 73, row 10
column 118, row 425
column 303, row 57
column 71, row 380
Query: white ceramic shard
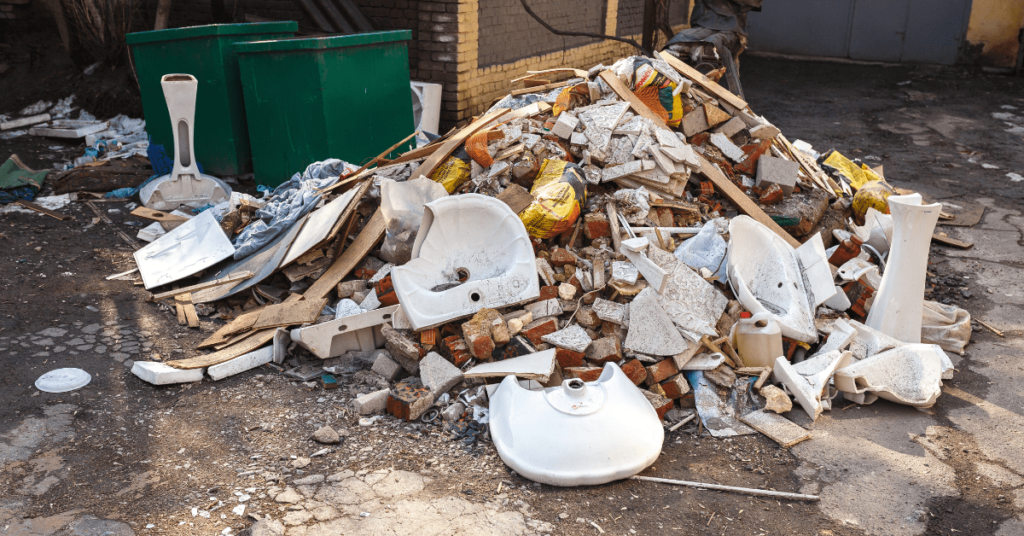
column 704, row 361
column 765, row 276
column 360, row 333
column 538, row 366
column 185, row 185
column 693, row 304
column 318, row 226
column 819, row 369
column 651, row 331
column 472, row 252
column 576, row 434
column 634, row 249
column 910, row 374
column 842, row 335
column 799, row 387
column 63, row 380
column 573, row 338
column 192, row 246
column 896, row 310
column 815, row 269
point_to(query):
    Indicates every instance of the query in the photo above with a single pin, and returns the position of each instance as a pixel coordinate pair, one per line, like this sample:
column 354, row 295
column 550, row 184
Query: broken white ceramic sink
column 185, row 185
column 357, row 333
column 471, row 252
column 765, row 276
column 578, row 433
column 910, row 374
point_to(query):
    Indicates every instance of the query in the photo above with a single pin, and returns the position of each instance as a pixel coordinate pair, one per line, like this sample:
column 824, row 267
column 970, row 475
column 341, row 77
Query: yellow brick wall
column 478, row 87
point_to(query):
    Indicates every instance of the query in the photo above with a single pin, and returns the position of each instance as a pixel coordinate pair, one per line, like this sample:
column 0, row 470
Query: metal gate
column 926, row 31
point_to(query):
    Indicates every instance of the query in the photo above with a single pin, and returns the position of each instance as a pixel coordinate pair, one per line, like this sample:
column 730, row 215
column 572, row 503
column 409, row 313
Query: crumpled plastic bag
column 707, row 249
column 945, row 325
column 401, row 204
column 288, row 203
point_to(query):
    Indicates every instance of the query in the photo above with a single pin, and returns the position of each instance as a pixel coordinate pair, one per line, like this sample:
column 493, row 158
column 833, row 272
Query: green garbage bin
column 221, row 137
column 309, row 99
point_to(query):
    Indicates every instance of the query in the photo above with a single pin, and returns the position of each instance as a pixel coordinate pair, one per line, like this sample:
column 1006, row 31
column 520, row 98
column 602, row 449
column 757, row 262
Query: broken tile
column 651, row 330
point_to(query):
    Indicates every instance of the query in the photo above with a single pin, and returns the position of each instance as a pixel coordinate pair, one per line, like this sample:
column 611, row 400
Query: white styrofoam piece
column 910, row 374
column 190, row 247
column 318, row 226
column 469, row 236
column 156, row 373
column 67, row 128
column 897, row 309
column 763, row 268
column 811, row 255
column 360, row 333
column 602, row 431
column 185, row 185
column 241, row 363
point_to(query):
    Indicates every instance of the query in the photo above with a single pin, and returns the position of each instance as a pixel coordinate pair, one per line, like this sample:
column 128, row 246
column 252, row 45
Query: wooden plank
column 625, row 94
column 533, row 74
column 241, row 323
column 43, row 210
column 710, row 85
column 539, row 89
column 613, row 224
column 372, row 233
column 740, row 199
column 185, row 302
column 157, row 215
column 200, row 286
column 245, row 346
column 289, row 314
column 438, row 156
column 947, row 241
column 362, row 170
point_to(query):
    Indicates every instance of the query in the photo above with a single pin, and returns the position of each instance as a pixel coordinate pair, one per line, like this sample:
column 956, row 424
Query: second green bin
column 307, row 100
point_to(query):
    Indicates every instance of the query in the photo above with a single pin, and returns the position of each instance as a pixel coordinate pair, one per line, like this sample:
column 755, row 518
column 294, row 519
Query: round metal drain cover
column 63, row 380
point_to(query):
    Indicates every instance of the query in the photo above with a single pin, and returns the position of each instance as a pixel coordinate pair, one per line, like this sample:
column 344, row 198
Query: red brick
column 771, row 195
column 661, row 370
column 754, row 152
column 386, row 292
column 478, row 338
column 562, row 257
column 409, row 400
column 635, row 371
column 676, row 386
column 568, row 358
column 539, row 328
column 548, row 293
column 660, row 404
column 604, row 350
column 657, row 389
column 454, row 349
column 595, row 225
column 587, row 374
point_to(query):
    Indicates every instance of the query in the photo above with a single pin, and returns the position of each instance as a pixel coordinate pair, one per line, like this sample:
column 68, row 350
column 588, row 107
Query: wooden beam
column 539, row 89
column 947, row 241
column 43, row 210
column 244, row 346
column 710, row 85
column 625, row 94
column 438, row 156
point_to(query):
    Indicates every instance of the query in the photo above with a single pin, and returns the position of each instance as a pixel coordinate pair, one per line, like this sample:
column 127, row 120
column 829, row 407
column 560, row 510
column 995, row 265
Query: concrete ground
column 121, row 457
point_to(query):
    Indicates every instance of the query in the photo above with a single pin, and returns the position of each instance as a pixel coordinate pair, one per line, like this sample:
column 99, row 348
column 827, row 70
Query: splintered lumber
column 290, row 313
column 438, row 156
column 200, row 286
column 184, row 301
column 157, row 215
column 718, row 487
column 359, row 172
column 43, row 210
column 947, row 241
column 372, row 233
column 635, row 103
column 710, row 85
column 539, row 89
column 228, row 331
column 244, row 346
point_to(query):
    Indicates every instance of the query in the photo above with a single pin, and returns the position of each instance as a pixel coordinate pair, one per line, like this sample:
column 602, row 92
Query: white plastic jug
column 757, row 339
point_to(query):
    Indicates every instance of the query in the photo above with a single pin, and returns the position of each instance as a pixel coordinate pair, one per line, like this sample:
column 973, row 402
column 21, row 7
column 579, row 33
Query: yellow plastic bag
column 657, row 92
column 454, row 171
column 858, row 176
column 558, row 193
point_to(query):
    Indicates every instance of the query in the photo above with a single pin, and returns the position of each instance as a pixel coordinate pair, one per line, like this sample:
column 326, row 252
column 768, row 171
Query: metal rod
column 676, row 426
column 748, row 491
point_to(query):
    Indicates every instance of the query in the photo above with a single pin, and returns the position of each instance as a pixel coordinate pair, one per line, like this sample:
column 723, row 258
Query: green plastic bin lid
column 211, row 30
column 322, row 43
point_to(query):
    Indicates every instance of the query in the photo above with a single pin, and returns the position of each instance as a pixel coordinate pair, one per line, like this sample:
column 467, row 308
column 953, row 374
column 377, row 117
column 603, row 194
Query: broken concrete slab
column 776, row 399
column 241, row 363
column 780, row 429
column 386, row 367
column 624, row 273
column 610, row 311
column 545, row 308
column 651, row 331
column 728, row 148
column 779, row 171
column 371, row 403
column 438, row 374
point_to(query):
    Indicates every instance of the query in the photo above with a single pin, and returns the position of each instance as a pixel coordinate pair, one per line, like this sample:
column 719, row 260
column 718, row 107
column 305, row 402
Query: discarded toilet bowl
column 765, row 276
column 898, row 303
column 472, row 252
column 910, row 374
column 357, row 333
column 185, row 185
column 578, row 433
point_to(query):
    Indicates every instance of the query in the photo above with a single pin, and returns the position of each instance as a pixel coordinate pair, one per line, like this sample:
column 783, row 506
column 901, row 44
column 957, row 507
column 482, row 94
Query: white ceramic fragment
column 798, row 386
column 651, row 331
column 910, row 374
column 624, row 273
column 704, row 361
column 241, row 363
column 718, row 416
column 896, row 310
column 765, row 276
column 472, row 252
column 633, row 249
column 537, row 366
column 573, row 338
column 190, row 247
column 578, row 433
column 360, row 333
column 814, row 265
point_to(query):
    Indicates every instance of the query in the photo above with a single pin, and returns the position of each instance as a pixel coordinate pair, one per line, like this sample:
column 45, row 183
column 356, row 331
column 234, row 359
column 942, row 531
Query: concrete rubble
column 557, row 255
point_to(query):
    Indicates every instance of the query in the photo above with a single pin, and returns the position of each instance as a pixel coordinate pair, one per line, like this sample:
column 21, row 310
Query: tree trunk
column 163, row 12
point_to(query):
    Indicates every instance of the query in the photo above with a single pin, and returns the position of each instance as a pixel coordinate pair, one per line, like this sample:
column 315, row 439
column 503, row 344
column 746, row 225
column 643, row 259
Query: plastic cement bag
column 945, row 325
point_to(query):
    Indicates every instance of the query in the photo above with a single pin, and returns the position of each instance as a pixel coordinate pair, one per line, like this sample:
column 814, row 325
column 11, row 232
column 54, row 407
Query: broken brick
column 562, row 257
column 676, row 386
column 518, row 346
column 587, row 374
column 408, row 400
column 386, row 292
column 771, row 195
column 549, row 292
column 454, row 349
column 657, row 389
column 402, row 350
column 604, row 350
column 539, row 328
column 660, row 403
column 661, row 370
column 595, row 225
column 477, row 334
column 588, row 318
column 754, row 151
column 635, row 371
column 569, row 358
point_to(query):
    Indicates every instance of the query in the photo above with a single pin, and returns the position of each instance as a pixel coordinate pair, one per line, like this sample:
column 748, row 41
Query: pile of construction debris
column 578, row 260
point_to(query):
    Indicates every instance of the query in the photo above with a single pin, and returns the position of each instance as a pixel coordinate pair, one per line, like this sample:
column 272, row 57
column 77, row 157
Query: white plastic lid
column 63, row 380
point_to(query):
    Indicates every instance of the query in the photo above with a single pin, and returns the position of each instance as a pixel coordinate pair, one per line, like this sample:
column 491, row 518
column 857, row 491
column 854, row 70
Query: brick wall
column 508, row 32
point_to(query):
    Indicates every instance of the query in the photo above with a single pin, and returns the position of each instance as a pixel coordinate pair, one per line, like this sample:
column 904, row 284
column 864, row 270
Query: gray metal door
column 935, row 30
column 804, row 27
column 877, row 30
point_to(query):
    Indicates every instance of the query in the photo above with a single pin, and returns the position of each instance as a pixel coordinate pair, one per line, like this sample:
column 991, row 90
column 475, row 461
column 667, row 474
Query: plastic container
column 307, row 100
column 221, row 136
column 757, row 339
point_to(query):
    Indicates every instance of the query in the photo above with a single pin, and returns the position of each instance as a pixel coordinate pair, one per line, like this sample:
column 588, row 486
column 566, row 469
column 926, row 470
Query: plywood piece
column 708, row 84
column 290, row 314
column 947, row 241
column 245, row 346
column 438, row 156
column 241, row 323
column 745, row 204
column 183, row 302
column 714, row 116
column 780, row 429
column 200, row 286
column 157, row 215
column 319, row 226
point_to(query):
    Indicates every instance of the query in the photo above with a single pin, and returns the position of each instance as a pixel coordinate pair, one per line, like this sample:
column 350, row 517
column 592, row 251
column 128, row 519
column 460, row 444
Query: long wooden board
column 438, row 156
column 372, row 233
column 43, row 210
column 200, row 286
column 710, row 85
column 291, row 313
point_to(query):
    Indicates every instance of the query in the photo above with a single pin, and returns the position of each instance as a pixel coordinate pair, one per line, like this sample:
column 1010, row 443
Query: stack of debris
column 633, row 241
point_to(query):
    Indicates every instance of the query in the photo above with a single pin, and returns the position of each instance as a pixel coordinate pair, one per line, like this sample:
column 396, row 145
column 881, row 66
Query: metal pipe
column 717, row 487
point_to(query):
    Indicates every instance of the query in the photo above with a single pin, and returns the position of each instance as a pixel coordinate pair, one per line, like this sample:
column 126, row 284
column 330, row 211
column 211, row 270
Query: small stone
column 327, row 436
column 722, row 376
column 300, row 462
column 566, row 291
column 289, row 496
column 310, row 480
column 776, row 399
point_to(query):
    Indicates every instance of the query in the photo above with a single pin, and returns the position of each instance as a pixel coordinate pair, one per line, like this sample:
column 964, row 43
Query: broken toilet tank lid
column 63, row 380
